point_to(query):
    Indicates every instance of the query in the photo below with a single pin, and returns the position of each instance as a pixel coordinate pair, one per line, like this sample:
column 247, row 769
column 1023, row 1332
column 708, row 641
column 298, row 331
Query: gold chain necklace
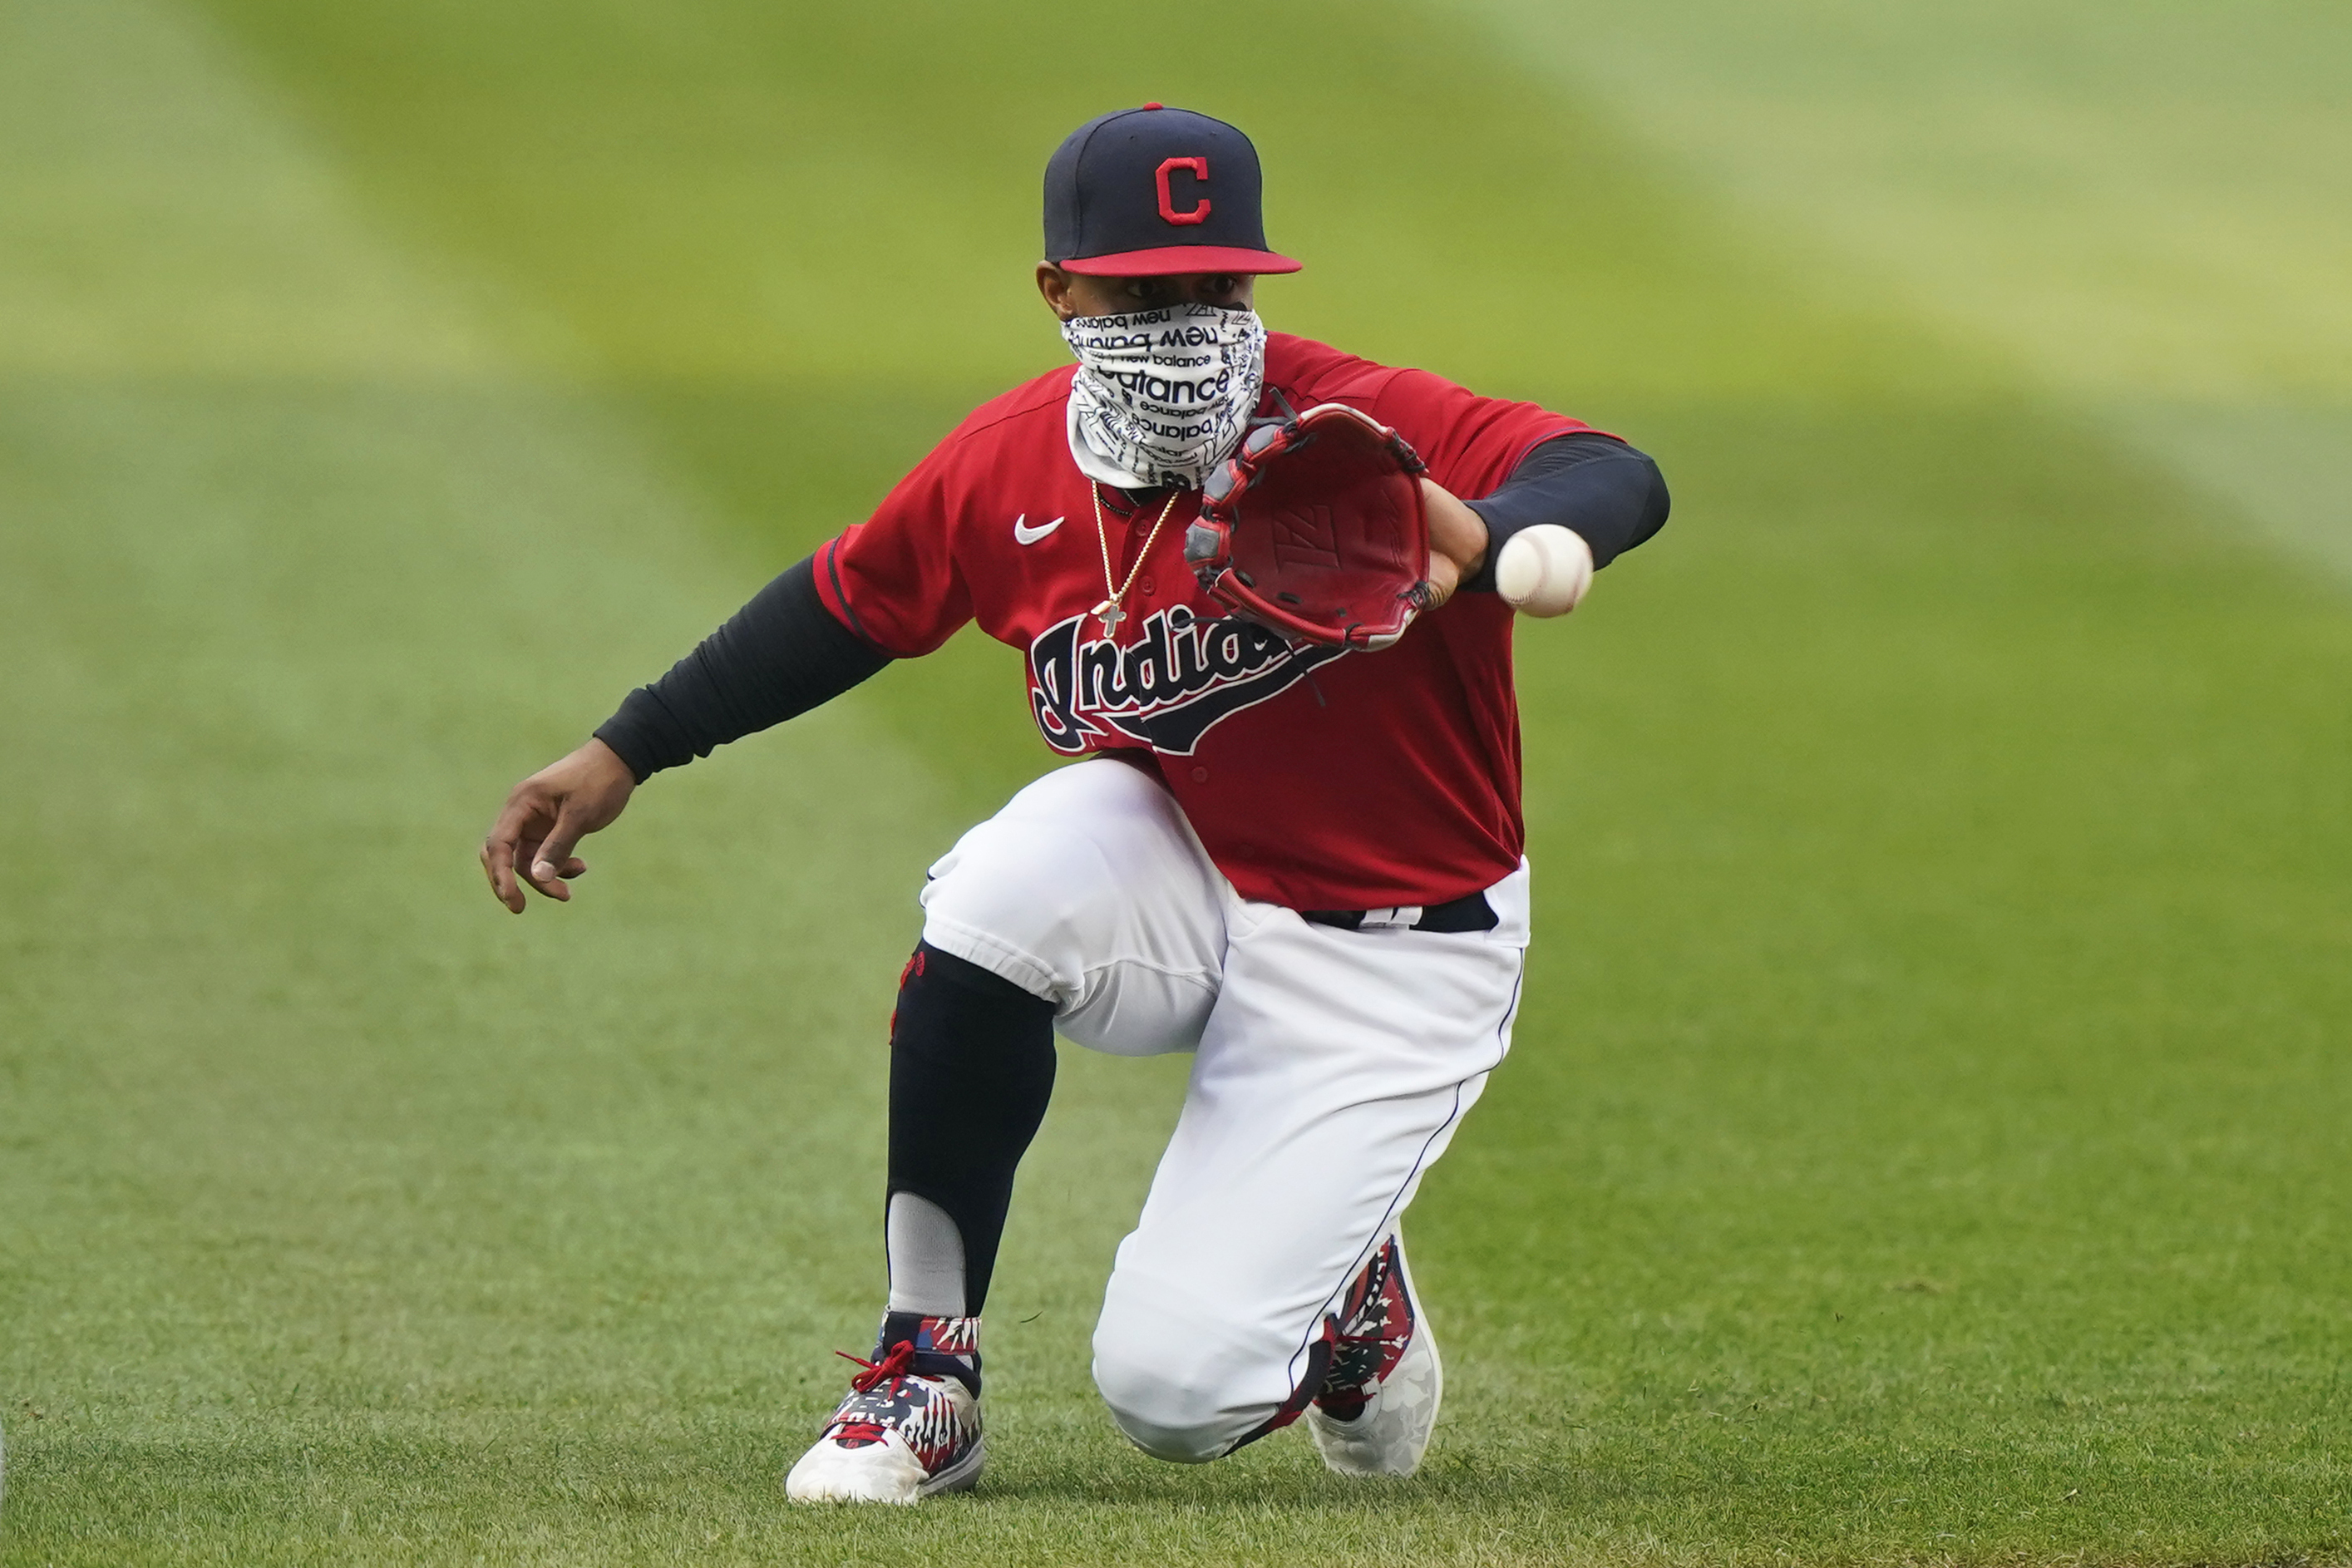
column 1109, row 611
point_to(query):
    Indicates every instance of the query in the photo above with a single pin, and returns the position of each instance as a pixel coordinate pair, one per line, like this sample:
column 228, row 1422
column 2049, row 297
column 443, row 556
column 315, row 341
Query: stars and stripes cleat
column 1379, row 1401
column 910, row 1426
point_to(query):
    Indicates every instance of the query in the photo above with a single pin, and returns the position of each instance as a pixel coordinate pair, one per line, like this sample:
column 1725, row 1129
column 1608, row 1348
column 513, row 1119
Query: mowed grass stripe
column 155, row 225
column 2133, row 201
column 2144, row 210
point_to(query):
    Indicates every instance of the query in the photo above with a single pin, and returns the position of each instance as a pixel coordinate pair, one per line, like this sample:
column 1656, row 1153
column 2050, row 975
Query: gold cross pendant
column 1111, row 614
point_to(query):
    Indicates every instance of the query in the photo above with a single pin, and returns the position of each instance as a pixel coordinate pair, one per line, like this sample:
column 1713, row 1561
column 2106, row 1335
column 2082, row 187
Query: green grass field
column 1924, row 1141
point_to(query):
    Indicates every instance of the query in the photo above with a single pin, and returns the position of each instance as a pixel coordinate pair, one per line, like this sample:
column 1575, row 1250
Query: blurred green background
column 1923, row 1139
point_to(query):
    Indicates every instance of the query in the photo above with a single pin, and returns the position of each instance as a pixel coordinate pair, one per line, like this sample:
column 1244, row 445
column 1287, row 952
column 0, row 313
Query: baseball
column 1544, row 570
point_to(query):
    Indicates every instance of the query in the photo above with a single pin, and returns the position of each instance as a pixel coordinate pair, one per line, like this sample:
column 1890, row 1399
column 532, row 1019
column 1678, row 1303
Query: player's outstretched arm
column 1457, row 540
column 545, row 818
column 779, row 656
column 1610, row 495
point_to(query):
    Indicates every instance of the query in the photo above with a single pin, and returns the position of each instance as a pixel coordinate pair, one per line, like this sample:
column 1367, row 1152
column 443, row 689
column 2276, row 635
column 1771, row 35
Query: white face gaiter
column 1161, row 396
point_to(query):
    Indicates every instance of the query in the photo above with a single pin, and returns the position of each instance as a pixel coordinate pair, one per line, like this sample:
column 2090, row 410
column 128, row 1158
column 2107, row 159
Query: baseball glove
column 1315, row 527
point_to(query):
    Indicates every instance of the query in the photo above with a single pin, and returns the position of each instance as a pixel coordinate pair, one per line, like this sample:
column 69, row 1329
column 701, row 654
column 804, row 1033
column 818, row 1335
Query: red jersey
column 1316, row 779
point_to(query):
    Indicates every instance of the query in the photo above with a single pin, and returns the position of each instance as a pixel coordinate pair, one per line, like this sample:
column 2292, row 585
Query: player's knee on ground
column 1182, row 1390
column 1166, row 1409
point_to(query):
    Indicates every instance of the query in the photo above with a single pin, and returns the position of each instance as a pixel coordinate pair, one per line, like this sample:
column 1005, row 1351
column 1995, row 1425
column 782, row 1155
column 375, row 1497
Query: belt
column 1469, row 913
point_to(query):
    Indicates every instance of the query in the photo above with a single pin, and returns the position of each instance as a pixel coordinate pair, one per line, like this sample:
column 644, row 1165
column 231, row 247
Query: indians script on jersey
column 1316, row 779
column 1166, row 688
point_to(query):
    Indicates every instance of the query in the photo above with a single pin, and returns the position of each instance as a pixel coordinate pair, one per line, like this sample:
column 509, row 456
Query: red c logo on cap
column 1199, row 168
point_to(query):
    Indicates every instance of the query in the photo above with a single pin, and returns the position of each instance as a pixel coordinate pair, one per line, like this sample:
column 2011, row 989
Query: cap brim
column 1174, row 258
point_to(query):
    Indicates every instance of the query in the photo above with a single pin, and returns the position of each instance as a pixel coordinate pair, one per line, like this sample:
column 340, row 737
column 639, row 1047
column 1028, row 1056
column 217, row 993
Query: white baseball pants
column 1331, row 1069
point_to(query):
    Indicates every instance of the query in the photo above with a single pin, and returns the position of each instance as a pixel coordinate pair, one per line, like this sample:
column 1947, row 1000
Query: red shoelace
column 898, row 1363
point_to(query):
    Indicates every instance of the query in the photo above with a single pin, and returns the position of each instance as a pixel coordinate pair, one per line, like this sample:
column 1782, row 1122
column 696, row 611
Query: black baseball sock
column 972, row 1070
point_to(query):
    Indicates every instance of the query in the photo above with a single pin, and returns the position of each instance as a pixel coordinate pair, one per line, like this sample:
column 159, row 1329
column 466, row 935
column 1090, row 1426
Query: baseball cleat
column 1379, row 1402
column 909, row 1427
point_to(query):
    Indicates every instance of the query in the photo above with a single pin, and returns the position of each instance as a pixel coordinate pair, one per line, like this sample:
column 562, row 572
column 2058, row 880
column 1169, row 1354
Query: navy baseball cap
column 1143, row 192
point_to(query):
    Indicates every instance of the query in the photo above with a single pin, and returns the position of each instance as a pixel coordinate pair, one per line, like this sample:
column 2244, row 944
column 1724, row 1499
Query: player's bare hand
column 1457, row 540
column 545, row 818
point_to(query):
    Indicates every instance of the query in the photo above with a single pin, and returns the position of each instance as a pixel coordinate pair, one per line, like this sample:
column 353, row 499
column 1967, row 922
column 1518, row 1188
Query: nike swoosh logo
column 1027, row 535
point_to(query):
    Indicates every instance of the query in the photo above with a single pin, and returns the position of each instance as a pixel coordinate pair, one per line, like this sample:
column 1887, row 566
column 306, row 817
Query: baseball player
column 1299, row 859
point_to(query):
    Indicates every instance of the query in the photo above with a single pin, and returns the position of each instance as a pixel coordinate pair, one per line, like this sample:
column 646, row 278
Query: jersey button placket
column 1199, row 775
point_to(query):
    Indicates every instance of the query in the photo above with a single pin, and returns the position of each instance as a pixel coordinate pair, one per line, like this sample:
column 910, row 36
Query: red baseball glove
column 1316, row 529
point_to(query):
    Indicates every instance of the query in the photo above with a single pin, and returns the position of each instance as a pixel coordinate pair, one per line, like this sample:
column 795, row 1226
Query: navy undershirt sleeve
column 778, row 657
column 1595, row 484
column 784, row 653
